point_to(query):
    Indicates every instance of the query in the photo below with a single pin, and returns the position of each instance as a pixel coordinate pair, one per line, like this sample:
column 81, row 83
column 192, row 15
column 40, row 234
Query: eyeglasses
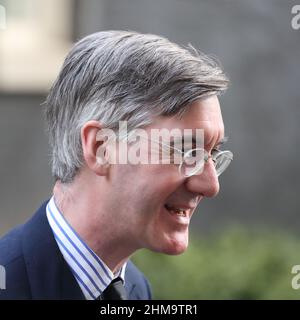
column 193, row 160
column 221, row 160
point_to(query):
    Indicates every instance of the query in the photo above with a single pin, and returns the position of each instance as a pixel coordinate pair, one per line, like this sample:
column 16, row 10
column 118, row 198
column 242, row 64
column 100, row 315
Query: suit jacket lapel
column 129, row 286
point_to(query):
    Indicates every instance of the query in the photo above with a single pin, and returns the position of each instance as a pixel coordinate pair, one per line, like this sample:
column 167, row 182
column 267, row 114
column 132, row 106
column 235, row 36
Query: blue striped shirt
column 91, row 273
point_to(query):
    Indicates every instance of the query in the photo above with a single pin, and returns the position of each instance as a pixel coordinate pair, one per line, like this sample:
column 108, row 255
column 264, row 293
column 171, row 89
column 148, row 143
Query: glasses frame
column 217, row 153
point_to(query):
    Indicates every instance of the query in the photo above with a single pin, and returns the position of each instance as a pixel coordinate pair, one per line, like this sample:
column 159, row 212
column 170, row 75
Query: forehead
column 202, row 114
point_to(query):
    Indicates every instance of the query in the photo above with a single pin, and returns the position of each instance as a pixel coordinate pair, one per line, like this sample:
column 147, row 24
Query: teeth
column 177, row 211
column 180, row 213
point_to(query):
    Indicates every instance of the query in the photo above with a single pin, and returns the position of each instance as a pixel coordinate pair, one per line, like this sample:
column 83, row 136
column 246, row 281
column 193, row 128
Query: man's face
column 142, row 194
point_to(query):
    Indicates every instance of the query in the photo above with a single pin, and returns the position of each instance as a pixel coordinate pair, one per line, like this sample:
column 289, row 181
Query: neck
column 94, row 222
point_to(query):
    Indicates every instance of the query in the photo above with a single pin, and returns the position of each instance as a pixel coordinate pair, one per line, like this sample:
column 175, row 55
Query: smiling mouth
column 177, row 211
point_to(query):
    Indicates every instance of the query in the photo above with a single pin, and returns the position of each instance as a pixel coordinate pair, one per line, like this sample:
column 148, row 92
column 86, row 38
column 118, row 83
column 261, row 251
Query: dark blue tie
column 115, row 291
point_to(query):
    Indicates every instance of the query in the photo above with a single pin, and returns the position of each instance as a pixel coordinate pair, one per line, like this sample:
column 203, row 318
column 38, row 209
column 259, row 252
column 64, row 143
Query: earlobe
column 101, row 169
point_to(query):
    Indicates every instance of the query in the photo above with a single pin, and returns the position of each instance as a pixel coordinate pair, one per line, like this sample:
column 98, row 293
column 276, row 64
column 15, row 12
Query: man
column 80, row 241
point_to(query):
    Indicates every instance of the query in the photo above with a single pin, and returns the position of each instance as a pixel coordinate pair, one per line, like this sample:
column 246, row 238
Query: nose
column 205, row 183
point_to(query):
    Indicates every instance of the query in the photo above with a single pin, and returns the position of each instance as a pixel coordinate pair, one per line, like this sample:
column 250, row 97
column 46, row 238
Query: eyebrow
column 218, row 144
column 221, row 142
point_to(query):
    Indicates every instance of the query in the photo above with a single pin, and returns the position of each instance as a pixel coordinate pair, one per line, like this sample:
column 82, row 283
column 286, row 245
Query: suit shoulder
column 10, row 246
column 13, row 266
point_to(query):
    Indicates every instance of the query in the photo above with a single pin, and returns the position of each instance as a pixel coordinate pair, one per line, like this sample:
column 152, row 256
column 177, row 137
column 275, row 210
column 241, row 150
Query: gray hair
column 117, row 76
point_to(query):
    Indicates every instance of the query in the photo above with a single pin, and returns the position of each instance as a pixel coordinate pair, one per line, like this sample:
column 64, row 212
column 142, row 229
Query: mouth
column 181, row 212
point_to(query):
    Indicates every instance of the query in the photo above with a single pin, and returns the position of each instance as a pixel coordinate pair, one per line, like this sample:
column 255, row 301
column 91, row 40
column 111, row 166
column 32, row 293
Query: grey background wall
column 259, row 51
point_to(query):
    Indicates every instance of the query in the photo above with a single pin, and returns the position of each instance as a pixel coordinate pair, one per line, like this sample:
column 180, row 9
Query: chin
column 176, row 249
column 173, row 246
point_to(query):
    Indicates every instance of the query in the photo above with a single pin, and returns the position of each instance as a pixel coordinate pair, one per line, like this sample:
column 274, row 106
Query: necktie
column 115, row 291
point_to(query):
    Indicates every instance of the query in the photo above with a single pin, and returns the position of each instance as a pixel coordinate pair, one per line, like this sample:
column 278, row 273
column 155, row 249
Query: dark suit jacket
column 36, row 269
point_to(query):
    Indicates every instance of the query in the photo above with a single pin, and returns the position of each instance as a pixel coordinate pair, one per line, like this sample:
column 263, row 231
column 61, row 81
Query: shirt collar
column 91, row 273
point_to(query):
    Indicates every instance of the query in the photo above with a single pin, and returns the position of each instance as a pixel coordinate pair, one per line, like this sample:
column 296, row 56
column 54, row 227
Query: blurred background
column 244, row 243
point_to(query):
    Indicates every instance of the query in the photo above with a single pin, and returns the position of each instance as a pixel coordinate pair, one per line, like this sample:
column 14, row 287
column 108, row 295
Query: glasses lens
column 193, row 162
column 222, row 161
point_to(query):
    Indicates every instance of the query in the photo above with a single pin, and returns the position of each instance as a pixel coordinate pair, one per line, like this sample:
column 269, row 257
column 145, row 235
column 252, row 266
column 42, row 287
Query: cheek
column 157, row 185
column 144, row 186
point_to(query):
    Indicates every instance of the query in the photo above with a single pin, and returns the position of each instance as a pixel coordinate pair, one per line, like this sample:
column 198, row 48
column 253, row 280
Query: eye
column 214, row 153
column 194, row 153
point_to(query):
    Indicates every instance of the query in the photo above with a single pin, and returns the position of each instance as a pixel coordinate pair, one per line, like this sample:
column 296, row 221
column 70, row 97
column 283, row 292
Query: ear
column 93, row 154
